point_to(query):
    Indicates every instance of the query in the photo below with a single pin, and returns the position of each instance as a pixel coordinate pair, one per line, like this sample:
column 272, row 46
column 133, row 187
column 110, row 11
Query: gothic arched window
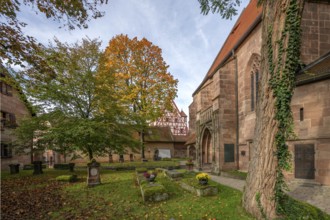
column 254, row 89
column 254, row 83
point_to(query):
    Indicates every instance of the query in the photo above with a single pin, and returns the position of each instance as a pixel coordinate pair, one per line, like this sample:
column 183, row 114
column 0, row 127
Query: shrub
column 166, row 159
column 189, row 162
column 141, row 170
column 67, row 178
column 294, row 209
column 196, row 185
column 159, row 170
column 61, row 166
column 202, row 176
column 30, row 166
column 150, row 190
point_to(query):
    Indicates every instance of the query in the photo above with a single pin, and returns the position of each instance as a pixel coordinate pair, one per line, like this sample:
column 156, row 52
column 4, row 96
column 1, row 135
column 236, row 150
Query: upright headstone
column 71, row 167
column 14, row 168
column 93, row 173
column 37, row 167
column 156, row 153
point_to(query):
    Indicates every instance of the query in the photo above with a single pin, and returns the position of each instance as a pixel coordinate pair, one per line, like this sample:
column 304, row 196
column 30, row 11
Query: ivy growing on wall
column 282, row 83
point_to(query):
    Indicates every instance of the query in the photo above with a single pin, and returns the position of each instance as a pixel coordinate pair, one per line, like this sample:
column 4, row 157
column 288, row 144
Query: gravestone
column 156, row 153
column 71, row 167
column 14, row 168
column 93, row 173
column 37, row 167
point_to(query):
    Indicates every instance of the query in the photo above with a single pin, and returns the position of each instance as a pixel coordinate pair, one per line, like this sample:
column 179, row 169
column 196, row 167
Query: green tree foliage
column 67, row 100
column 29, row 129
column 143, row 86
column 226, row 8
column 20, row 49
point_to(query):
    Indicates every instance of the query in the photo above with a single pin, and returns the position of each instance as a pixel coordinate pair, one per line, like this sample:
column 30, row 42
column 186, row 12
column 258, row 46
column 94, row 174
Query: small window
column 8, row 120
column 6, row 150
column 254, row 89
column 252, row 92
column 121, row 158
column 301, row 114
column 5, row 88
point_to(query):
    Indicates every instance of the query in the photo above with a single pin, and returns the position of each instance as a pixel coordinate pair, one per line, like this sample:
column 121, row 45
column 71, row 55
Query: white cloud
column 189, row 40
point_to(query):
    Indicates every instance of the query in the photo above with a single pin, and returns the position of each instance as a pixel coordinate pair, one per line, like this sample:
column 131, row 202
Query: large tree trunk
column 64, row 156
column 31, row 153
column 90, row 153
column 142, row 144
column 258, row 198
column 110, row 157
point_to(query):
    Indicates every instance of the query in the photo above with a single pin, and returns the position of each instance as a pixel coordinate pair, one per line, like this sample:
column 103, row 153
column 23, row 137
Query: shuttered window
column 4, row 87
column 7, row 120
column 6, row 150
column 229, row 153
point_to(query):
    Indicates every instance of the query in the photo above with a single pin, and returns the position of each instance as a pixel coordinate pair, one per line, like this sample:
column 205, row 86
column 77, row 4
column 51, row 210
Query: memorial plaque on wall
column 93, row 173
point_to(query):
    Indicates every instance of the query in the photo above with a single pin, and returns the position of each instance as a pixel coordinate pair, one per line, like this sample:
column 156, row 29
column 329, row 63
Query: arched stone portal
column 206, row 148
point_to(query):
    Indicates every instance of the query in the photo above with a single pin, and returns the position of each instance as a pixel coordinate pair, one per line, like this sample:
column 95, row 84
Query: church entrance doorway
column 206, row 149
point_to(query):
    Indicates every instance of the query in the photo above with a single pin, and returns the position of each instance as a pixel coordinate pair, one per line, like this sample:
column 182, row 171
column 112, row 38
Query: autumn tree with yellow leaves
column 140, row 78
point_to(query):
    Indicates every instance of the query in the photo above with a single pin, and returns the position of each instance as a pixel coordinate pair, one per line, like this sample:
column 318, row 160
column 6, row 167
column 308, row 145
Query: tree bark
column 31, row 153
column 64, row 156
column 142, row 144
column 258, row 197
column 110, row 157
column 90, row 153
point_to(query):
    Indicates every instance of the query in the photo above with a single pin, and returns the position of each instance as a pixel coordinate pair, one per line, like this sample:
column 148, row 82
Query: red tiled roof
column 183, row 114
column 191, row 139
column 158, row 134
column 180, row 138
column 248, row 19
column 161, row 134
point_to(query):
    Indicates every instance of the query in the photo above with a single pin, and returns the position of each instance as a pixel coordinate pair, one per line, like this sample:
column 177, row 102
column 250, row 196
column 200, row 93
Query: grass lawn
column 27, row 196
column 238, row 173
column 42, row 197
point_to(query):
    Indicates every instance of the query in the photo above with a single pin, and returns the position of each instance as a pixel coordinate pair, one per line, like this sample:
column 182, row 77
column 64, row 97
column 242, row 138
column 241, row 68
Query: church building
column 222, row 114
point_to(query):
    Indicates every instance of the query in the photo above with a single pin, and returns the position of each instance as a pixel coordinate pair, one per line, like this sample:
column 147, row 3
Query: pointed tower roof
column 183, row 114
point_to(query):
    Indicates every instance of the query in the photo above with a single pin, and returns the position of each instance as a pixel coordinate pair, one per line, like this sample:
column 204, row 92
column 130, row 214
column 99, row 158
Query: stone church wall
column 315, row 27
column 314, row 125
column 314, row 98
column 246, row 56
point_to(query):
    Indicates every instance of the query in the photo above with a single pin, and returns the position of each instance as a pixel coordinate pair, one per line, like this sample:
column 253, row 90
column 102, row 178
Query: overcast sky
column 189, row 41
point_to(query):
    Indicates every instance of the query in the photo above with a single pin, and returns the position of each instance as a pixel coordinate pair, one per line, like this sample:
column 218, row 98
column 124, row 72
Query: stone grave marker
column 93, row 173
